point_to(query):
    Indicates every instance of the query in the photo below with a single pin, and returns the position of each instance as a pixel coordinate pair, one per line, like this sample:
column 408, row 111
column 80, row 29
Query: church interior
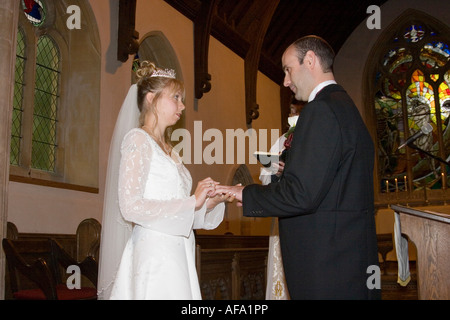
column 67, row 66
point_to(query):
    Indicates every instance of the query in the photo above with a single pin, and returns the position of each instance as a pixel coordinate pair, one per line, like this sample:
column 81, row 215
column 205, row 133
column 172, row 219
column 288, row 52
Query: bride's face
column 170, row 107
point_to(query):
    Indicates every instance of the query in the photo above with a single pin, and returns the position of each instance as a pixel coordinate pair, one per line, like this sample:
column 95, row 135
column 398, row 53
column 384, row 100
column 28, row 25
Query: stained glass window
column 412, row 89
column 35, row 11
column 17, row 114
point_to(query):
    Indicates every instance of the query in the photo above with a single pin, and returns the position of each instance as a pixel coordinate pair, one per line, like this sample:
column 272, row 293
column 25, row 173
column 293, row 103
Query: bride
column 148, row 244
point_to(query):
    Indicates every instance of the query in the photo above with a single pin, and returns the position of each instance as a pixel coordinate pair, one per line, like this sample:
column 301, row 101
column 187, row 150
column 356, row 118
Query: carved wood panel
column 232, row 273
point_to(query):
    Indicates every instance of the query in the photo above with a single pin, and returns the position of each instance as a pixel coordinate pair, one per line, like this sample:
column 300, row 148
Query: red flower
column 288, row 142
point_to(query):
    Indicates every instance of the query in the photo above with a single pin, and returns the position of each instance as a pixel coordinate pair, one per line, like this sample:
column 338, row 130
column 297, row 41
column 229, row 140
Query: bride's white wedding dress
column 158, row 261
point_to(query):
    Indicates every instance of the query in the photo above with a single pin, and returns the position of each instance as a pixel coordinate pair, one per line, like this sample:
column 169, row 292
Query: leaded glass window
column 45, row 105
column 17, row 114
column 412, row 89
column 46, row 147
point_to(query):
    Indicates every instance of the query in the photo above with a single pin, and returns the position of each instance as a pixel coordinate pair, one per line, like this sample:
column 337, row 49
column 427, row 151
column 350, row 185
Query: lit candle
column 387, row 186
column 444, row 185
column 406, row 185
column 396, row 185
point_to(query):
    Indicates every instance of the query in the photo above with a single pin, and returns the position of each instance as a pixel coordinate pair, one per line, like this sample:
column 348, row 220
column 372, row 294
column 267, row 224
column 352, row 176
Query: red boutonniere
column 290, row 134
column 287, row 143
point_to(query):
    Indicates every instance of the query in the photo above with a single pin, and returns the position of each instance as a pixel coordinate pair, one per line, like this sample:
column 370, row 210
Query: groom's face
column 296, row 75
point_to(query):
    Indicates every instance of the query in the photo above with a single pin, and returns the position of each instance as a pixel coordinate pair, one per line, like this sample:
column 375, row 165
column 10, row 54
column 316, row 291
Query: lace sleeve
column 174, row 217
column 209, row 220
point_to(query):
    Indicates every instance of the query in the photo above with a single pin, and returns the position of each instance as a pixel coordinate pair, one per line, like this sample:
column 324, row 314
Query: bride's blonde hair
column 148, row 82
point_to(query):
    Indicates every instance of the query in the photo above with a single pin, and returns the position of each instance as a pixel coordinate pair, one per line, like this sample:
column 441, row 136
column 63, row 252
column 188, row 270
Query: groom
column 324, row 199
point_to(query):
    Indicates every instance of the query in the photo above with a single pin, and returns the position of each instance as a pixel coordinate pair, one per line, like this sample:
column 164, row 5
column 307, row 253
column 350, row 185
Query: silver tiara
column 166, row 73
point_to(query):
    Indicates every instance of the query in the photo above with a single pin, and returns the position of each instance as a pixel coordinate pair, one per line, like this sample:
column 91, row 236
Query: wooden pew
column 85, row 242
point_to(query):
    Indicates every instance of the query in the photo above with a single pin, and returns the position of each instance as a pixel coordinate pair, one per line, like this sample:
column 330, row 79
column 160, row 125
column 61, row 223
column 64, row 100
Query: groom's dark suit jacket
column 324, row 202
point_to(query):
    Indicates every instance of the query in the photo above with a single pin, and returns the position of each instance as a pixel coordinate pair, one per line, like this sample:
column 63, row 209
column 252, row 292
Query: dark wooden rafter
column 257, row 33
column 290, row 20
column 250, row 27
column 127, row 39
column 202, row 31
column 242, row 25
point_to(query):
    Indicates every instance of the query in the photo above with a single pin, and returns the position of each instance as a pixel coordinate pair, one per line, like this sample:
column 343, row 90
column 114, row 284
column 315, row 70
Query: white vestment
column 276, row 283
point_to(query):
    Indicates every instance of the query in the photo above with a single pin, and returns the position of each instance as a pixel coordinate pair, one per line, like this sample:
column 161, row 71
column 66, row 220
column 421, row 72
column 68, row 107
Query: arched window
column 410, row 94
column 43, row 135
column 56, row 108
column 34, row 122
column 155, row 47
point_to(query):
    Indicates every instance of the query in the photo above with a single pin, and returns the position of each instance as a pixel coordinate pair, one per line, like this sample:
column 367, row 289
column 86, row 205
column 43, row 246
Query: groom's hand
column 234, row 191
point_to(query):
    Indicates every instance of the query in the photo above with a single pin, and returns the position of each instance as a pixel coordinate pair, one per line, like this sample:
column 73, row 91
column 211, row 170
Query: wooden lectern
column 430, row 232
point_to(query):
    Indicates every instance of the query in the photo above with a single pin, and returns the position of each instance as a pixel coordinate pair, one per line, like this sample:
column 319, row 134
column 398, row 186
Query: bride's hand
column 218, row 198
column 204, row 188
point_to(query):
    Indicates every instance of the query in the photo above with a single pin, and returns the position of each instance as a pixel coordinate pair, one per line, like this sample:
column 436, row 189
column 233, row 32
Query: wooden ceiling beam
column 253, row 57
column 127, row 38
column 202, row 31
column 230, row 31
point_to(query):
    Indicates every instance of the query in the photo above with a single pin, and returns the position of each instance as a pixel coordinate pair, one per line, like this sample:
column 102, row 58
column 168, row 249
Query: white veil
column 115, row 230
